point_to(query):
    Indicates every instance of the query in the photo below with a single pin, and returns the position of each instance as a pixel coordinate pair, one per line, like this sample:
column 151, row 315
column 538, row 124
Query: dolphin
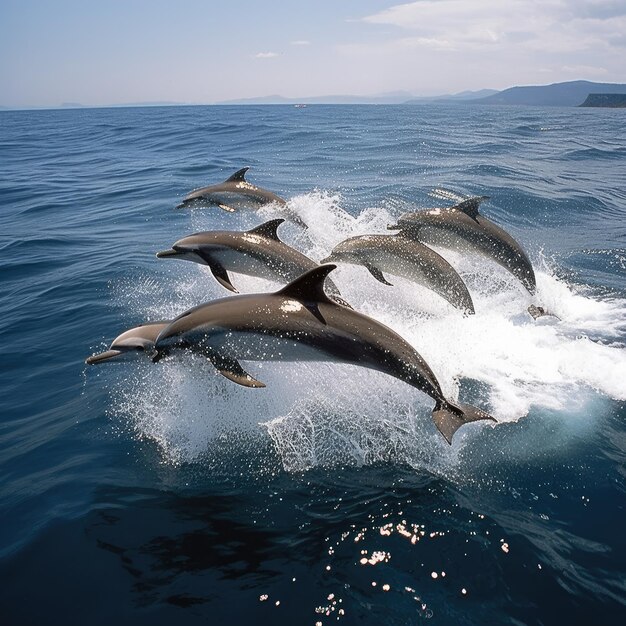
column 256, row 252
column 300, row 322
column 236, row 193
column 233, row 194
column 142, row 338
column 404, row 257
column 462, row 227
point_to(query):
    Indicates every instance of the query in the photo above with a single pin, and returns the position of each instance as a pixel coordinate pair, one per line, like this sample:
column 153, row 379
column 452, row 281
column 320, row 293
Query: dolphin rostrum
column 404, row 257
column 139, row 339
column 299, row 322
column 462, row 227
column 257, row 252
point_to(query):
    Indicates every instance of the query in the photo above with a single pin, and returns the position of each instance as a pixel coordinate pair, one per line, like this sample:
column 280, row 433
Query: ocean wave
column 592, row 153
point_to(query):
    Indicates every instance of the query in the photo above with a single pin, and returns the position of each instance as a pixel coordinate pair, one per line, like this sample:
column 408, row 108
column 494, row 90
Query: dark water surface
column 154, row 494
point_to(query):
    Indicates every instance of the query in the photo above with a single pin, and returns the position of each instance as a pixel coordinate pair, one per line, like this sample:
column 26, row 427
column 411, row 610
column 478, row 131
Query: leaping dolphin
column 462, row 227
column 404, row 257
column 234, row 194
column 300, row 322
column 256, row 252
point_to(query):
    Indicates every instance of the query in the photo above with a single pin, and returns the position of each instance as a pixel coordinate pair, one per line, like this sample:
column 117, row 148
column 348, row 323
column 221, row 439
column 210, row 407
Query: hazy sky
column 116, row 51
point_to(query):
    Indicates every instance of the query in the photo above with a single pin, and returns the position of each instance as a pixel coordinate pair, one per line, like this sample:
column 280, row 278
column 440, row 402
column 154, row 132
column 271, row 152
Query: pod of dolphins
column 308, row 320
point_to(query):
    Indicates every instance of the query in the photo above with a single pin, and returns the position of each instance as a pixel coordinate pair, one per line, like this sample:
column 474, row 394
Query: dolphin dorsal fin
column 268, row 229
column 470, row 206
column 238, row 177
column 310, row 286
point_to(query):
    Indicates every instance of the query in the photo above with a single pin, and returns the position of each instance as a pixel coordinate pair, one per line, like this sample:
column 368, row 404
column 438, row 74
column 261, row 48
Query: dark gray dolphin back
column 463, row 227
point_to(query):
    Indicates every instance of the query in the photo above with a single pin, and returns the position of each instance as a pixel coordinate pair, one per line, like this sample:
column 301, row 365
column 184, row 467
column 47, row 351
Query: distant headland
column 608, row 100
column 572, row 93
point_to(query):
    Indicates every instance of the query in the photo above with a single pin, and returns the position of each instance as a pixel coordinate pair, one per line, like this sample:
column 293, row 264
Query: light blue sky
column 116, row 51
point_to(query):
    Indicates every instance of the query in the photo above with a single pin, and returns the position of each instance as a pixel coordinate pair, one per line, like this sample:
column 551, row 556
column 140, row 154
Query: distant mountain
column 571, row 93
column 471, row 95
column 454, row 97
column 274, row 99
column 150, row 103
column 78, row 105
column 393, row 97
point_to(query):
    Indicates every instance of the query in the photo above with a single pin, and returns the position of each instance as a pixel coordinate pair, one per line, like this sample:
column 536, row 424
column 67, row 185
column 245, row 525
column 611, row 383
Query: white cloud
column 540, row 25
column 432, row 45
column 300, row 42
column 266, row 55
column 427, row 42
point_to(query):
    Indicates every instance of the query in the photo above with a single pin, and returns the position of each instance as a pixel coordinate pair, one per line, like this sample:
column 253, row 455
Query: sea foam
column 319, row 413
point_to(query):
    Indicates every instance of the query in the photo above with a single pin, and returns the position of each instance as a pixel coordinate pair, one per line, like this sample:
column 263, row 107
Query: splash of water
column 328, row 414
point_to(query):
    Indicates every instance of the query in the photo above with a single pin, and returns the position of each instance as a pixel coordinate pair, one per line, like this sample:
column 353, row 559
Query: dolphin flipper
column 231, row 368
column 378, row 275
column 449, row 418
column 221, row 276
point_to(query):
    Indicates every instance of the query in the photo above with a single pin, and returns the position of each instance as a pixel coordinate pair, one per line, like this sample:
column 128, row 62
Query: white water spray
column 325, row 414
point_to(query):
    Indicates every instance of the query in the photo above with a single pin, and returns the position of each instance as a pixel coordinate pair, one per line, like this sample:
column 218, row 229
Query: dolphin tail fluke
column 539, row 311
column 297, row 220
column 450, row 417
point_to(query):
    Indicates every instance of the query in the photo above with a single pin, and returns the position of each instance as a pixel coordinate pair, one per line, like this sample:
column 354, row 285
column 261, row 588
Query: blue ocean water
column 143, row 494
